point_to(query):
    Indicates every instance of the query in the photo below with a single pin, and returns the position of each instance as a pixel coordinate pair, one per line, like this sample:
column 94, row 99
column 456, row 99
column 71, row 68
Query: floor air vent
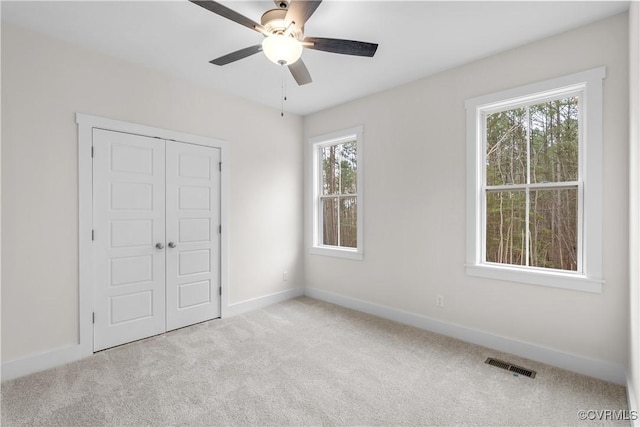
column 509, row 367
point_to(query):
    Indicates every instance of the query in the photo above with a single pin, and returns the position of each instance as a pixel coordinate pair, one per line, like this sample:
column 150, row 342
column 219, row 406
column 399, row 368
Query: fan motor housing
column 273, row 21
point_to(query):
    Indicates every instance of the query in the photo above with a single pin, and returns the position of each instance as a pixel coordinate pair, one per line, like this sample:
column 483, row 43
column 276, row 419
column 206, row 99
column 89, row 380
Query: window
column 534, row 189
column 337, row 194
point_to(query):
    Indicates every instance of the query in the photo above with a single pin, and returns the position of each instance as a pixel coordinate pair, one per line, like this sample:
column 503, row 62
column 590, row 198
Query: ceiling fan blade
column 345, row 47
column 225, row 12
column 300, row 73
column 300, row 11
column 238, row 54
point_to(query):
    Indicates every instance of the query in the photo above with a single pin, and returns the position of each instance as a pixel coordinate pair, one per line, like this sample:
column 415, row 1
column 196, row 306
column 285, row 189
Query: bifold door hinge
column 92, row 151
column 93, row 317
column 93, row 235
column 220, row 290
column 220, row 229
column 220, row 166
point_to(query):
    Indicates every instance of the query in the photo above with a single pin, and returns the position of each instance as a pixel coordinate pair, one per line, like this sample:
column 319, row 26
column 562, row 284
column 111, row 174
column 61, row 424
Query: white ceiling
column 416, row 39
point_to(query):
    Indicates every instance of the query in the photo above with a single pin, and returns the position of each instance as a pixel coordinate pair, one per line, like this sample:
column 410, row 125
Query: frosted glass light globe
column 282, row 49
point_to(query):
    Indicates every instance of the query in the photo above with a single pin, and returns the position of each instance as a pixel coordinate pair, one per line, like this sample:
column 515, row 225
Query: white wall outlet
column 439, row 300
column 285, row 276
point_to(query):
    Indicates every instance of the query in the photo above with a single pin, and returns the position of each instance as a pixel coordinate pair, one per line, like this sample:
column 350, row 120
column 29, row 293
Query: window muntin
column 337, row 194
column 575, row 183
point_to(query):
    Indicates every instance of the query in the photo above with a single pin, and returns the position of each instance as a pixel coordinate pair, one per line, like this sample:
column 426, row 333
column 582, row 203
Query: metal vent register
column 509, row 367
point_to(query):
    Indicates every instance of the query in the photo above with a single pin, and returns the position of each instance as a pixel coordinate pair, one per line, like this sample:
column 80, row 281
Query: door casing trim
column 86, row 123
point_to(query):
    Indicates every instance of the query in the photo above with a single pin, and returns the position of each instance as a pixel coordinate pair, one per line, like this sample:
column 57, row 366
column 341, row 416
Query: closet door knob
column 172, row 245
column 159, row 246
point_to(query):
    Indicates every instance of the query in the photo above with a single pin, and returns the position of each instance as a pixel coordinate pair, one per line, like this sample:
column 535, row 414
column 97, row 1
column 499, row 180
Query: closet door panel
column 128, row 214
column 193, row 240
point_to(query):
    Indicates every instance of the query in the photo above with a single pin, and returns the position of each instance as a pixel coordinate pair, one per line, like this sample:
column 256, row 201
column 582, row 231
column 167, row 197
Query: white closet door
column 129, row 207
column 193, row 240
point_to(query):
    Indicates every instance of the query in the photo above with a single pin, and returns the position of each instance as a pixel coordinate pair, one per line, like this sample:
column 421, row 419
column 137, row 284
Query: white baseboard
column 260, row 302
column 571, row 362
column 40, row 362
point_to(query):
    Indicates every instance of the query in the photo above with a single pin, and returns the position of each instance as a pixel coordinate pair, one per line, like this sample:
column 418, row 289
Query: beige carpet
column 303, row 362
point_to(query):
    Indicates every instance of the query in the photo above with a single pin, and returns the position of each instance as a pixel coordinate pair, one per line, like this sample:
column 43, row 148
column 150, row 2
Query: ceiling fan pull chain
column 284, row 84
column 282, row 92
column 283, row 89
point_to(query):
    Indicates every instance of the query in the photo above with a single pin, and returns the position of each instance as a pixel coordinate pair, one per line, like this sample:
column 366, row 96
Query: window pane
column 339, row 168
column 348, row 168
column 330, row 169
column 554, row 141
column 348, row 222
column 553, row 224
column 507, row 147
column 330, row 221
column 506, row 227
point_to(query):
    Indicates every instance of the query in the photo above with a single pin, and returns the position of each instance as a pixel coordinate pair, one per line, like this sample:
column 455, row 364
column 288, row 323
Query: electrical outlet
column 285, row 276
column 439, row 300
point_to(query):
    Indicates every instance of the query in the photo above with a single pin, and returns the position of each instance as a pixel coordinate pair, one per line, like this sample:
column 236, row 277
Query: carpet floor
column 305, row 362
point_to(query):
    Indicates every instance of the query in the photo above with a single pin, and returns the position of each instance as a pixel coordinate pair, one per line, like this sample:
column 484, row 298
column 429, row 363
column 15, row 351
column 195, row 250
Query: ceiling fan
column 284, row 41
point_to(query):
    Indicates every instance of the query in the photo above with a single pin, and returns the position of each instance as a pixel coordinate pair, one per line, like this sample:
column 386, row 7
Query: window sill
column 336, row 252
column 571, row 281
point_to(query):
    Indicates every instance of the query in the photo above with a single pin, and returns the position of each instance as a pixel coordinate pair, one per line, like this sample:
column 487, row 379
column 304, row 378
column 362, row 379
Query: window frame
column 316, row 143
column 589, row 275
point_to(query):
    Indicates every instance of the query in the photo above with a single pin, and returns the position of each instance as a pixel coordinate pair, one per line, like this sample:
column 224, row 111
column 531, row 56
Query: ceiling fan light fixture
column 281, row 49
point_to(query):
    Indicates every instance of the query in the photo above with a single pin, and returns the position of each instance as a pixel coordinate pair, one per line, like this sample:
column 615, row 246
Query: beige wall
column 634, row 201
column 414, row 189
column 44, row 83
